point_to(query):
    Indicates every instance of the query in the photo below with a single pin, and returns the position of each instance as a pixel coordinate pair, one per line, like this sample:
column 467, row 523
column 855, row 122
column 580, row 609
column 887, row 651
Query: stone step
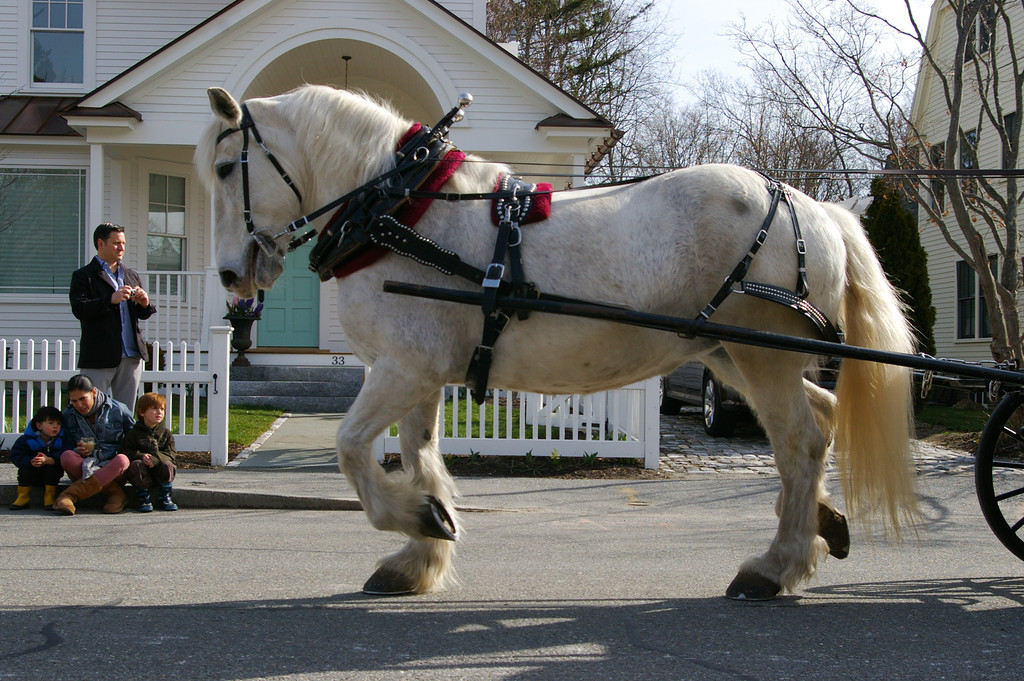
column 306, row 404
column 352, row 376
column 301, row 389
column 297, row 388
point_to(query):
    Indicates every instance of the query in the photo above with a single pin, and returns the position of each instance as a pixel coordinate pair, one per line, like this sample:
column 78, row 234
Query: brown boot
column 80, row 489
column 116, row 499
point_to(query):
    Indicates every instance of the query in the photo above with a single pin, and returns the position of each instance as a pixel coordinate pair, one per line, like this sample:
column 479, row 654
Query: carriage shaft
column 706, row 329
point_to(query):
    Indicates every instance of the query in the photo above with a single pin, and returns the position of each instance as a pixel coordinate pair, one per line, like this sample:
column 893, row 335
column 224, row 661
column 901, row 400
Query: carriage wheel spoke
column 1012, row 433
column 1017, row 525
column 1010, row 465
column 1009, row 495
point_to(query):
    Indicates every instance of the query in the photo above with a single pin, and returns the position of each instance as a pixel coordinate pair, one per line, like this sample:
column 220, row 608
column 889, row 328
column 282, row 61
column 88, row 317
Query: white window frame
column 191, row 237
column 84, row 237
column 88, row 57
column 979, row 320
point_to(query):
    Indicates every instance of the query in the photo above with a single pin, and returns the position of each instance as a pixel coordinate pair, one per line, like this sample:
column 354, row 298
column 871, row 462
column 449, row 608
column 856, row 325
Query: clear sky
column 701, row 25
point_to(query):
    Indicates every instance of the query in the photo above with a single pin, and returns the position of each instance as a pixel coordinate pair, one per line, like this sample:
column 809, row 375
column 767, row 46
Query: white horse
column 663, row 245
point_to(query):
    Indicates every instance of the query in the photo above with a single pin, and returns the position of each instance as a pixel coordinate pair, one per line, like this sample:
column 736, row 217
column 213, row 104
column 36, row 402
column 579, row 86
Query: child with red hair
column 149, row 447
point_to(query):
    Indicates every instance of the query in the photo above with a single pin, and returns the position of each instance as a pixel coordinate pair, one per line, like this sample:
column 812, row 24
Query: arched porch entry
column 291, row 312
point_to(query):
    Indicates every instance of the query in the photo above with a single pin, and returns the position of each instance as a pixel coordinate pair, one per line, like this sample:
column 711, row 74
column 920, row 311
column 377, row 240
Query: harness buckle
column 801, row 247
column 492, row 278
column 515, row 235
column 762, row 236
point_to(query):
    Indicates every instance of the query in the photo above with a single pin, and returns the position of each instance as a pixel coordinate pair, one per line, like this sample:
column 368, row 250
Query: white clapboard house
column 961, row 326
column 103, row 101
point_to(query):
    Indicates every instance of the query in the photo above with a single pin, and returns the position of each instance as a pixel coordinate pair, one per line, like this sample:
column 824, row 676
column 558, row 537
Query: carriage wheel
column 999, row 472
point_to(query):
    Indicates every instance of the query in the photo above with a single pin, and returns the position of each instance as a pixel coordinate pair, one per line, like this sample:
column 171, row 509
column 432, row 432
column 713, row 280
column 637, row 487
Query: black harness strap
column 388, row 232
column 741, row 269
column 795, row 300
column 510, row 209
column 777, row 294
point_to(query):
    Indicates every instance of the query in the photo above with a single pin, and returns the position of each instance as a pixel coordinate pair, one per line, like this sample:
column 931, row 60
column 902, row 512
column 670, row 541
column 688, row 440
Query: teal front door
column 291, row 310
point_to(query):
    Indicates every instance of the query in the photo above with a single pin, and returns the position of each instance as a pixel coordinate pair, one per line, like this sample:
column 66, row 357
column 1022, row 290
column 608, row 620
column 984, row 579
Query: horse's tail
column 874, row 420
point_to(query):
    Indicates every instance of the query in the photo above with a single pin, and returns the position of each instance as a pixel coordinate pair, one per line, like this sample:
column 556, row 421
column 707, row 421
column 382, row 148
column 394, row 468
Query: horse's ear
column 224, row 106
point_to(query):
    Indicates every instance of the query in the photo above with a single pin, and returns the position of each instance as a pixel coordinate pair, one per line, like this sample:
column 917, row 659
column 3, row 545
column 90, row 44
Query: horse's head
column 255, row 190
column 258, row 159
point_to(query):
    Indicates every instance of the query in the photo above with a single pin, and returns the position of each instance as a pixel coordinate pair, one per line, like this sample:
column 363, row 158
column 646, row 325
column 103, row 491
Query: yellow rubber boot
column 21, row 503
column 49, row 496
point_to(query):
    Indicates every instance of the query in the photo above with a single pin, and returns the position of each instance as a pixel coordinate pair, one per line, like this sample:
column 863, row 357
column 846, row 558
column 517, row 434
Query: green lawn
column 953, row 419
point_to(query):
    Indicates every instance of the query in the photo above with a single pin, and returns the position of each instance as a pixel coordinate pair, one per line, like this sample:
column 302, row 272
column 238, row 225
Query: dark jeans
column 30, row 476
column 143, row 477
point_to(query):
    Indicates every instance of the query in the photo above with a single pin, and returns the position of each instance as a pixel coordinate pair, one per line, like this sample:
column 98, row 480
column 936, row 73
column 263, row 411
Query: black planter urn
column 241, row 338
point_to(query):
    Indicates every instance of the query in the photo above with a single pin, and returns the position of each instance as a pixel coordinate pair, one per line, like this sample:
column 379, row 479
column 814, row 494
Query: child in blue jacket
column 37, row 456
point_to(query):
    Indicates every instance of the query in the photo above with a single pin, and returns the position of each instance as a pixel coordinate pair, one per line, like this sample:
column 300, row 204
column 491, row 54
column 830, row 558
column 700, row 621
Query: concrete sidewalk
column 293, row 466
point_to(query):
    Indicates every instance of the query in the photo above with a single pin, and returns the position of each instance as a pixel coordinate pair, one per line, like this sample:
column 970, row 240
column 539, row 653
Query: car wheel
column 718, row 421
column 669, row 406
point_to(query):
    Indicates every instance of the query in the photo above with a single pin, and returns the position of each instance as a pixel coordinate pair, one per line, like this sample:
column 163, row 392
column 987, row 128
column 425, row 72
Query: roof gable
column 247, row 16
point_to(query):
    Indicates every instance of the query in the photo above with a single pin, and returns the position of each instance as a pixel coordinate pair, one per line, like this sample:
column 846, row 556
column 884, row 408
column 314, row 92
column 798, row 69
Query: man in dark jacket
column 108, row 300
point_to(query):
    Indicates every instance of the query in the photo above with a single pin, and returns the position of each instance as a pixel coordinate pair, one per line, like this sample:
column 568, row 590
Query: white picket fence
column 179, row 298
column 620, row 423
column 33, row 372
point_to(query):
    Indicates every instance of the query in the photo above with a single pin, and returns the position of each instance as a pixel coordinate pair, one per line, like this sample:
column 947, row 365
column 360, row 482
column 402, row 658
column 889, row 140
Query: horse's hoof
column 435, row 522
column 386, row 582
column 832, row 527
column 747, row 586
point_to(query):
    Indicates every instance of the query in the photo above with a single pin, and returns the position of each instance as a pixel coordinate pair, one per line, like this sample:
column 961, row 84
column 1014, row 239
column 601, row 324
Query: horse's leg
column 422, row 564
column 775, row 390
column 391, row 501
column 832, row 525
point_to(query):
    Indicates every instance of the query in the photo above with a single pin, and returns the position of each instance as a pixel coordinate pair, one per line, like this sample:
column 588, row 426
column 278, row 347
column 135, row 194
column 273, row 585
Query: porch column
column 213, row 292
column 579, row 165
column 97, row 179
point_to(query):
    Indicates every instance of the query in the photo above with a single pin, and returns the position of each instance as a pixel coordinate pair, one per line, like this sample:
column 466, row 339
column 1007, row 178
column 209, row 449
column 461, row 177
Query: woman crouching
column 97, row 423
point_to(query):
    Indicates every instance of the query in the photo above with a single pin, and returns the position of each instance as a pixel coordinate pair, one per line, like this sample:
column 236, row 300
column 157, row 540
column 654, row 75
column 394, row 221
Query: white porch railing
column 33, row 372
column 179, row 298
column 615, row 424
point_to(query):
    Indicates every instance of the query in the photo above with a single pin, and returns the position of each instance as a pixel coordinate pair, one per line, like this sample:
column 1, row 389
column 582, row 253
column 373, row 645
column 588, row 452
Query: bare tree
column 834, row 62
column 610, row 54
column 769, row 135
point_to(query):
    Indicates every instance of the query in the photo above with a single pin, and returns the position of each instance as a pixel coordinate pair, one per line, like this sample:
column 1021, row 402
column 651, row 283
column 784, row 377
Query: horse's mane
column 371, row 130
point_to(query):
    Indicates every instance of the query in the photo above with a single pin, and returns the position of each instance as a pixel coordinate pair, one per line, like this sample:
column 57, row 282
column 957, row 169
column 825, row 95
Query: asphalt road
column 565, row 580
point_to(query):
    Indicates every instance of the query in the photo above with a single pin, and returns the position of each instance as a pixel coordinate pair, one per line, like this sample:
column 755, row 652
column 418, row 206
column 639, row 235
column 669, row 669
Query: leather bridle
column 247, row 126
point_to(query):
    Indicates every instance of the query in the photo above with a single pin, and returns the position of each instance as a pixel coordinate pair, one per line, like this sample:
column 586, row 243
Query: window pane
column 157, row 219
column 1010, row 126
column 58, row 15
column 57, row 57
column 40, row 15
column 176, row 220
column 41, row 212
column 176, row 191
column 74, row 15
column 965, row 300
column 157, row 188
column 163, row 253
column 966, row 158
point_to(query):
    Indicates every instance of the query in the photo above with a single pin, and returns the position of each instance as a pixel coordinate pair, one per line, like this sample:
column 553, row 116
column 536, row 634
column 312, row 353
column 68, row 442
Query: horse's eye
column 224, row 169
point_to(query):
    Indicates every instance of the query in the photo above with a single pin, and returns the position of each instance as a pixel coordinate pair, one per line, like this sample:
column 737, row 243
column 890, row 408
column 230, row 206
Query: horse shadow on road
column 941, row 628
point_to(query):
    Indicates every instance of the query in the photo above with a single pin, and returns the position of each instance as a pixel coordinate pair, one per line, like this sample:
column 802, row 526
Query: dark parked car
column 721, row 406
